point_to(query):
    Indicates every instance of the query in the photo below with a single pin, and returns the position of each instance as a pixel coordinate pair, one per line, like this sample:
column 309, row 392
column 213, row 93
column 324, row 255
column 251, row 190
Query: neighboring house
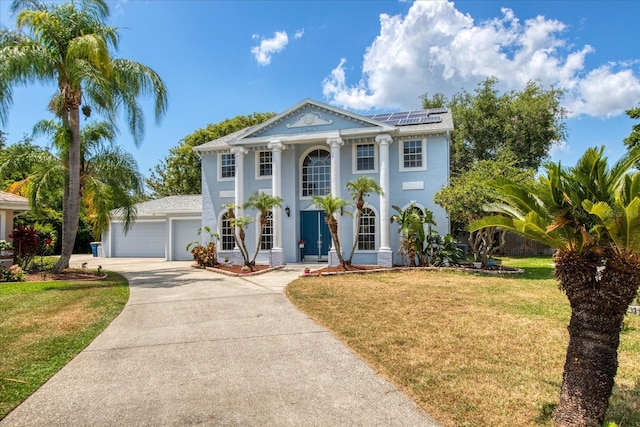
column 10, row 204
column 163, row 229
column 315, row 149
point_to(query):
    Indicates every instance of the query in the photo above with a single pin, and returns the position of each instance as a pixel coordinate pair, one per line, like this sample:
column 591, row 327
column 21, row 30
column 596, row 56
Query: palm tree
column 238, row 227
column 331, row 206
column 264, row 203
column 109, row 177
column 359, row 189
column 591, row 214
column 69, row 45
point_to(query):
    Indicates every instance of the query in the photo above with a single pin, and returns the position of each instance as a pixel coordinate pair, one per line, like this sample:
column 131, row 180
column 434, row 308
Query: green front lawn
column 43, row 325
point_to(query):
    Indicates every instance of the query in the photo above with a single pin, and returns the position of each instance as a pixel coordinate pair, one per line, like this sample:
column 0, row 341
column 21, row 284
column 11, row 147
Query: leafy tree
column 360, row 188
column 488, row 125
column 467, row 195
column 109, row 177
column 331, row 206
column 180, row 171
column 263, row 203
column 590, row 213
column 69, row 44
column 633, row 140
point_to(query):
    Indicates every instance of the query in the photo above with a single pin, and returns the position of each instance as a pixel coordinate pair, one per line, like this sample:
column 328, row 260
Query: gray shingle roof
column 13, row 201
column 171, row 204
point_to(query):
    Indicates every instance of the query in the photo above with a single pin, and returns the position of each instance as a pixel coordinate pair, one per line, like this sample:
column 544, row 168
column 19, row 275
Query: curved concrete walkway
column 193, row 347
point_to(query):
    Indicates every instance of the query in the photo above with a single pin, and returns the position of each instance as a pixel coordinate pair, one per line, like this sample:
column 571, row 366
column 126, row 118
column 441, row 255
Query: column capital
column 384, row 139
column 238, row 151
column 276, row 145
column 335, row 142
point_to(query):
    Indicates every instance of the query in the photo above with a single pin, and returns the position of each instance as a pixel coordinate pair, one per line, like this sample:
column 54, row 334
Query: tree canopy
column 179, row 172
column 487, row 124
column 633, row 139
column 71, row 46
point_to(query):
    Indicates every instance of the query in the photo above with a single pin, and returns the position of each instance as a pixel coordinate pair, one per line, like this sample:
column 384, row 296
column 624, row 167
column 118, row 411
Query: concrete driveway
column 193, row 347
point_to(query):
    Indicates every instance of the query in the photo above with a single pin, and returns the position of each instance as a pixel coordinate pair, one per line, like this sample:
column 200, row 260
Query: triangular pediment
column 310, row 117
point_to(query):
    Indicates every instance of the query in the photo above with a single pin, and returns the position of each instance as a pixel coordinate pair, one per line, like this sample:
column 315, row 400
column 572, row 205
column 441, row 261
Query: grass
column 470, row 349
column 43, row 325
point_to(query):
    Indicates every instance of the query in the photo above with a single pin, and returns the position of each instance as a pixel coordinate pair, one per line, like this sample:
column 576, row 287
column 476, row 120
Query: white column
column 335, row 144
column 277, row 252
column 385, row 255
column 239, row 153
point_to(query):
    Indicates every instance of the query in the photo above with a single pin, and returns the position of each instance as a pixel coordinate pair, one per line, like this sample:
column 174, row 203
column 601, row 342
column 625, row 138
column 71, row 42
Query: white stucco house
column 10, row 205
column 309, row 149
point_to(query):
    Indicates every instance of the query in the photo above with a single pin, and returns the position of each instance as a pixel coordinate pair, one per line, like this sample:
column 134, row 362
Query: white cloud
column 267, row 47
column 298, row 34
column 436, row 48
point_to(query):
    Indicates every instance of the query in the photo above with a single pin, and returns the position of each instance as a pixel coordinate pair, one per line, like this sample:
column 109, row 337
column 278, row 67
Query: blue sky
column 220, row 59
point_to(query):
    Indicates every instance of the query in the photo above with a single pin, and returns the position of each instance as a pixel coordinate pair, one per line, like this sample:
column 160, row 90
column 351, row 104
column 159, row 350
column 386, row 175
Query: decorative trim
column 309, row 119
column 413, row 185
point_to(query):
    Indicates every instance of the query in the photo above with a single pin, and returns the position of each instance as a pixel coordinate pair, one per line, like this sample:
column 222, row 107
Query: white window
column 367, row 234
column 316, row 173
column 266, row 241
column 413, row 155
column 226, row 231
column 226, row 167
column 365, row 157
column 264, row 167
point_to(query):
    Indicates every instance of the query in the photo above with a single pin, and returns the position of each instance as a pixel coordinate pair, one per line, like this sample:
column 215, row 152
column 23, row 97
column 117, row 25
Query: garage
column 184, row 231
column 145, row 239
column 162, row 229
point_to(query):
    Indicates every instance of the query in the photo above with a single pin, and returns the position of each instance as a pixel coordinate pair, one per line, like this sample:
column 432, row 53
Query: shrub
column 205, row 256
column 12, row 274
column 29, row 242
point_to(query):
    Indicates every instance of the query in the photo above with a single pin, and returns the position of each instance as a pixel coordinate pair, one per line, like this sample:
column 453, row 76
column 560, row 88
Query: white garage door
column 144, row 239
column 185, row 231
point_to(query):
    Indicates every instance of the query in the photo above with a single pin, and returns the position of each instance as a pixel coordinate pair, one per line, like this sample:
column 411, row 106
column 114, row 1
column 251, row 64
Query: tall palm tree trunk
column 333, row 230
column 599, row 301
column 72, row 199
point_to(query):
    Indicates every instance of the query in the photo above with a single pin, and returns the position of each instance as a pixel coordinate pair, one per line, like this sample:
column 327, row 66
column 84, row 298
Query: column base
column 385, row 257
column 236, row 257
column 276, row 257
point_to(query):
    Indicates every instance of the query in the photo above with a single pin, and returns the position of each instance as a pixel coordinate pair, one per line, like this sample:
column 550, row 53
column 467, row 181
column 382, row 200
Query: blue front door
column 315, row 233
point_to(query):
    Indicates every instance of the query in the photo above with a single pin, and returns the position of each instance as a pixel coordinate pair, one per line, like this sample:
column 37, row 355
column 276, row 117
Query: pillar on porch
column 335, row 144
column 238, row 153
column 385, row 254
column 277, row 256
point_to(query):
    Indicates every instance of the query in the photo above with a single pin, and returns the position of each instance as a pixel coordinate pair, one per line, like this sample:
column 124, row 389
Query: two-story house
column 315, row 149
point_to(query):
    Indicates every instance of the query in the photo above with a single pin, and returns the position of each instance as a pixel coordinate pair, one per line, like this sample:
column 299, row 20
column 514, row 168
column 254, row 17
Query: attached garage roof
column 13, row 201
column 171, row 204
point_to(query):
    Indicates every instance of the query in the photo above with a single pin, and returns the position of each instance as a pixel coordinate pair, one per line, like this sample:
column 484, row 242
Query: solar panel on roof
column 414, row 117
column 439, row 110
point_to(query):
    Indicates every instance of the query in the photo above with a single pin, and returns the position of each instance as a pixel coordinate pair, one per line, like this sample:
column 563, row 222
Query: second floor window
column 227, row 166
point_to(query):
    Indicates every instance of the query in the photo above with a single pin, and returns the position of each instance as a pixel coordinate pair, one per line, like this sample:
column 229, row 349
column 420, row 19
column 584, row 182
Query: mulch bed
column 236, row 270
column 69, row 275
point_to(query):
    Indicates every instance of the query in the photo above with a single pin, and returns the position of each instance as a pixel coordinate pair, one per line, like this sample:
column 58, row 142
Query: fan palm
column 591, row 214
column 359, row 189
column 263, row 203
column 69, row 45
column 331, row 206
column 109, row 177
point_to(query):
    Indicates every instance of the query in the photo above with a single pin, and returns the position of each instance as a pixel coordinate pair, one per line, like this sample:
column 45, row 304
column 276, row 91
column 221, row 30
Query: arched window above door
column 316, row 173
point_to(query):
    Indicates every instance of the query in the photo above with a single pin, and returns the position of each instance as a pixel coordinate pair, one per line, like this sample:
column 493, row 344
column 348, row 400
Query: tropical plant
column 238, row 226
column 359, row 189
column 332, row 205
column 69, row 45
column 109, row 177
column 205, row 255
column 590, row 213
column 29, row 242
column 263, row 203
column 446, row 251
column 416, row 241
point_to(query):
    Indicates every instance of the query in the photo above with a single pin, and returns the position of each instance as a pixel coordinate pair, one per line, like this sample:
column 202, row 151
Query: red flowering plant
column 29, row 242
